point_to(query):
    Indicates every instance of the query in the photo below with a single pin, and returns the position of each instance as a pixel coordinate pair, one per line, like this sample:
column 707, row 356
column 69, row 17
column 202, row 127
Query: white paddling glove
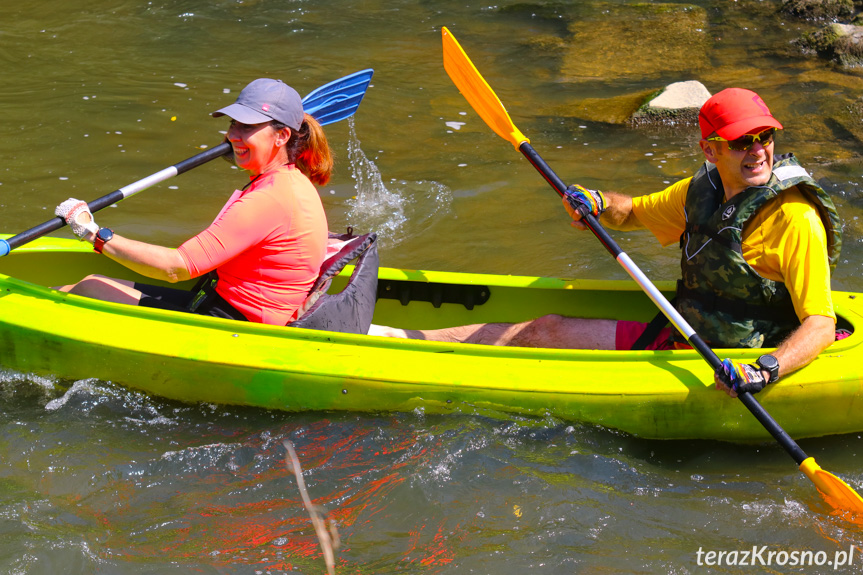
column 77, row 214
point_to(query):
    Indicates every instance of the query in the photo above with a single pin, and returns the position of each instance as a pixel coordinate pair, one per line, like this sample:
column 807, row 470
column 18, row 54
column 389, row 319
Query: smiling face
column 740, row 170
column 258, row 148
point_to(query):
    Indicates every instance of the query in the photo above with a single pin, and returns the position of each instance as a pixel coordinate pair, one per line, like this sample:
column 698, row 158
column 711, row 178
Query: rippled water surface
column 96, row 95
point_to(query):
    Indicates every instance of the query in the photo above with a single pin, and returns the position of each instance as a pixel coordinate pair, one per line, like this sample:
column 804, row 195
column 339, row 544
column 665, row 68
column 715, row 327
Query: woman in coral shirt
column 267, row 243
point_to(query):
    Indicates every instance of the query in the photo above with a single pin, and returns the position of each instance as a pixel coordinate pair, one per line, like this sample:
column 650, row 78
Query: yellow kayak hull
column 190, row 358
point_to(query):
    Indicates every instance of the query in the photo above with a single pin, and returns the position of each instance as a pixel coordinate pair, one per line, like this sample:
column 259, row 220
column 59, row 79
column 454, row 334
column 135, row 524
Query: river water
column 98, row 94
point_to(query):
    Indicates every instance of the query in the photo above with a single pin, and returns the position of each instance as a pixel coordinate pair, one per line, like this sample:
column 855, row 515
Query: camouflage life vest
column 720, row 295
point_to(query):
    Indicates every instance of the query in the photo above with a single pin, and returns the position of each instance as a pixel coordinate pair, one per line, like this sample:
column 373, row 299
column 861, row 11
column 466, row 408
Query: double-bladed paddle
column 483, row 100
column 330, row 103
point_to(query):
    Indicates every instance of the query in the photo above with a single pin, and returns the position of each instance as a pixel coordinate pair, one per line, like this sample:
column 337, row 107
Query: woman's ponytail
column 309, row 150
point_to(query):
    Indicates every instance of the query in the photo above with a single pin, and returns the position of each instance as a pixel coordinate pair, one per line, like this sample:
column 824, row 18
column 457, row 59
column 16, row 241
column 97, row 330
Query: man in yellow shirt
column 758, row 237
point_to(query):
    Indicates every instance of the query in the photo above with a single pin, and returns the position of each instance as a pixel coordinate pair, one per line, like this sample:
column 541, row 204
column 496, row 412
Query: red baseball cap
column 734, row 112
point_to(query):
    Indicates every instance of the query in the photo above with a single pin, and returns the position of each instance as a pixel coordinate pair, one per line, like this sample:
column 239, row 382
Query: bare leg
column 106, row 289
column 550, row 331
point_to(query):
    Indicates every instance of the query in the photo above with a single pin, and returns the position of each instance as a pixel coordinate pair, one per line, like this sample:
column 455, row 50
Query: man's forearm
column 805, row 343
column 618, row 215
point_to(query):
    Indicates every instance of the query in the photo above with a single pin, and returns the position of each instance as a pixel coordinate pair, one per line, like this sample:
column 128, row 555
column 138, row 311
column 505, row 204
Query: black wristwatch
column 769, row 363
column 103, row 236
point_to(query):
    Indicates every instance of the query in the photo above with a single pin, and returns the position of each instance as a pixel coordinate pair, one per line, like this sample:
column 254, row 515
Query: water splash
column 94, row 397
column 10, row 379
column 22, row 390
column 388, row 209
column 81, row 387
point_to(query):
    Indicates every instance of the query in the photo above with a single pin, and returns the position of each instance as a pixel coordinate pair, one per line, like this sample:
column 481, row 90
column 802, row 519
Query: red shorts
column 629, row 331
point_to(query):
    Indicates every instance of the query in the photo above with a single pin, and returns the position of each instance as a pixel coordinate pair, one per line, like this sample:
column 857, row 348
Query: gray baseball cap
column 264, row 100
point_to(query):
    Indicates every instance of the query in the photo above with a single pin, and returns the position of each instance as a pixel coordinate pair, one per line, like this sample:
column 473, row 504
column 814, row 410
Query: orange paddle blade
column 836, row 492
column 477, row 92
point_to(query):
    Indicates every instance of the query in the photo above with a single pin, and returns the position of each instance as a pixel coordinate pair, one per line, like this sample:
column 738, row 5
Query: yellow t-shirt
column 784, row 242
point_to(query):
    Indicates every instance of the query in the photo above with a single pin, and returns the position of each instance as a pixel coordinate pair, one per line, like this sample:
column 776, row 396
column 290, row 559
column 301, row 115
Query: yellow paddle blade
column 836, row 492
column 477, row 92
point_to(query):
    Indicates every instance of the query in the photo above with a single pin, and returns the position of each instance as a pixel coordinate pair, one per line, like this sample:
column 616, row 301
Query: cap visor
column 748, row 126
column 242, row 114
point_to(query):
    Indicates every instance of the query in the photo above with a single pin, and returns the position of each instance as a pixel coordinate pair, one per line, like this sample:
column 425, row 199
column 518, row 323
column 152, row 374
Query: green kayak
column 185, row 357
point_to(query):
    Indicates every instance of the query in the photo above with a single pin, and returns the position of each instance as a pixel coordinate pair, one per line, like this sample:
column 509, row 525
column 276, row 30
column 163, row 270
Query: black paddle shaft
column 117, row 195
column 695, row 340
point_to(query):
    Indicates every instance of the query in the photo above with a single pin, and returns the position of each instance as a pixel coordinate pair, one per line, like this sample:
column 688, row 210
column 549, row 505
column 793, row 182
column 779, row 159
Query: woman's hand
column 77, row 214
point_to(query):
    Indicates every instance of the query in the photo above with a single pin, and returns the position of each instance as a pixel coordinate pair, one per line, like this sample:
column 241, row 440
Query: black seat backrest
column 350, row 310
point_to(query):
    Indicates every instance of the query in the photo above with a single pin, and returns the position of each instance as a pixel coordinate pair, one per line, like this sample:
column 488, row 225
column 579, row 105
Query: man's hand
column 579, row 202
column 734, row 377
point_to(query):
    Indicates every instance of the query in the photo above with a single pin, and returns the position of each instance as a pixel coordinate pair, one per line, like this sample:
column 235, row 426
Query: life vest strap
column 738, row 309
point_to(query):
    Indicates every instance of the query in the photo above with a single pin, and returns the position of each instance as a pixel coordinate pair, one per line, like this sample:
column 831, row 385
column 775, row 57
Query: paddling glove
column 77, row 214
column 585, row 201
column 741, row 377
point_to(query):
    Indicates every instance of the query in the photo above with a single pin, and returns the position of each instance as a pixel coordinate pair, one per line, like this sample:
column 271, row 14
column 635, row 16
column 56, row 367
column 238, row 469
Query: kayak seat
column 350, row 310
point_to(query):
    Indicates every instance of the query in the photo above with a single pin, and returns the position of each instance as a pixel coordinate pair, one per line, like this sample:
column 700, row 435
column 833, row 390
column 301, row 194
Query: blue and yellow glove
column 584, row 201
column 741, row 377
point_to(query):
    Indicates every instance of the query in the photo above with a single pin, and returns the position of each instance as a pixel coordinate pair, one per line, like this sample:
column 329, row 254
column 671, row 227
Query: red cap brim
column 748, row 126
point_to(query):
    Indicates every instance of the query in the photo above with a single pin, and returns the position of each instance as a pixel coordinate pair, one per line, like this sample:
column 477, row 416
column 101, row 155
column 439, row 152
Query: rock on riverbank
column 675, row 105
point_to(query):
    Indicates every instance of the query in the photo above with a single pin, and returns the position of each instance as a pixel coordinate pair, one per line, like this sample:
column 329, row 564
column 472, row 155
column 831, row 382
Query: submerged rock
column 615, row 110
column 677, row 104
column 852, row 119
column 819, row 9
column 841, row 43
column 635, row 40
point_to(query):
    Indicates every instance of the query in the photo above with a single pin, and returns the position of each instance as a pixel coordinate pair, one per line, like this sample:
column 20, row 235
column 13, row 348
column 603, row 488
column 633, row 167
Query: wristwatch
column 103, row 236
column 769, row 363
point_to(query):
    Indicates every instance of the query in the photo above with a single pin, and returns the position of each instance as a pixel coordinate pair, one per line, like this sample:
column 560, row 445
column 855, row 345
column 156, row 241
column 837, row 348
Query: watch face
column 104, row 234
column 768, row 362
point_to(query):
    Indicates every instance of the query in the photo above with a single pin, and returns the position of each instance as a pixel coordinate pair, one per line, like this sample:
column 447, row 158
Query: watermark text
column 763, row 557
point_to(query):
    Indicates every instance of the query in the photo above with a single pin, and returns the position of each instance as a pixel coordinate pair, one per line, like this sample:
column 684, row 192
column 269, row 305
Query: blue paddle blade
column 339, row 99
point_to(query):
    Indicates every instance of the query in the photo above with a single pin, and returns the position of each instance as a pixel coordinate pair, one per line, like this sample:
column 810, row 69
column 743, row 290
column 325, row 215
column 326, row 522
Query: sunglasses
column 745, row 143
